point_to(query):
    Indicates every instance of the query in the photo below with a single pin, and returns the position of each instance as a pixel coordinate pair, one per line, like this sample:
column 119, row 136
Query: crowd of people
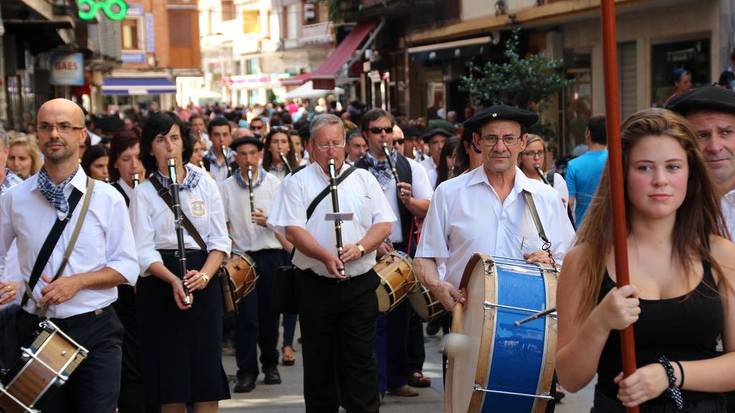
column 145, row 298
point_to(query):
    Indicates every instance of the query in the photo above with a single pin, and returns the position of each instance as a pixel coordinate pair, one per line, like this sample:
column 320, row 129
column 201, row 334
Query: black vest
column 404, row 175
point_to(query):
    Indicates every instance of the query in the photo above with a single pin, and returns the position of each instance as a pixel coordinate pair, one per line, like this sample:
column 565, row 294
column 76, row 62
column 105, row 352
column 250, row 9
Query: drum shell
column 501, row 356
column 397, row 280
column 45, row 365
column 424, row 304
column 241, row 270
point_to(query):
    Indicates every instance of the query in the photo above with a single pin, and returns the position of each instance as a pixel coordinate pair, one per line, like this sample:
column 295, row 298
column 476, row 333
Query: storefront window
column 577, row 99
column 692, row 55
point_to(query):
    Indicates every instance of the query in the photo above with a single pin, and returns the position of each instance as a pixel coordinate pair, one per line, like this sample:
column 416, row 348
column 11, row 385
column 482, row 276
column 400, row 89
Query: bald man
column 77, row 296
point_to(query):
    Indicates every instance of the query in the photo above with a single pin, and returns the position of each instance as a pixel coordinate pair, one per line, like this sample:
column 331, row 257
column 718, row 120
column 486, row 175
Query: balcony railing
column 318, row 33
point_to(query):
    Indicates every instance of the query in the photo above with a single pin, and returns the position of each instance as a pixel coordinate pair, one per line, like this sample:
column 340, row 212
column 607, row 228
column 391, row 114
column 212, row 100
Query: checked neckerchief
column 244, row 184
column 381, row 169
column 54, row 194
column 190, row 182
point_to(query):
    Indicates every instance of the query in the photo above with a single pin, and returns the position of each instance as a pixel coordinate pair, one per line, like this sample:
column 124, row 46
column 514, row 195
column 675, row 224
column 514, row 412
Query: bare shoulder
column 723, row 252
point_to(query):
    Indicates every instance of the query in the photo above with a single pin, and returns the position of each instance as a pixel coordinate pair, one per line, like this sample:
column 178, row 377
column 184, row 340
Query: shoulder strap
column 166, row 196
column 534, row 215
column 122, row 192
column 403, row 167
column 48, row 246
column 325, row 192
column 550, row 177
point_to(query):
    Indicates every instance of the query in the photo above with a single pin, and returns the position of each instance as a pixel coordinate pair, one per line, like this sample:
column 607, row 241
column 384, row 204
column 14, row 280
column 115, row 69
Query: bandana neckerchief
column 54, row 194
column 381, row 169
column 244, row 184
column 190, row 182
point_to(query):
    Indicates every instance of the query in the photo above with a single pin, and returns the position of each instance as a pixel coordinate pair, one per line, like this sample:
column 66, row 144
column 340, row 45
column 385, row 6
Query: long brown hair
column 697, row 218
column 268, row 156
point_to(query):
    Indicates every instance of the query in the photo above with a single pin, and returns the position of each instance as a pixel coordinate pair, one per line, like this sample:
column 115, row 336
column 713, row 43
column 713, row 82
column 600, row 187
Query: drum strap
column 53, row 238
column 534, row 215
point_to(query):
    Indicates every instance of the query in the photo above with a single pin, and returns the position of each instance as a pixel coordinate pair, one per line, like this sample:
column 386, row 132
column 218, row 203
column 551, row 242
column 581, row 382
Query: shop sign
column 67, row 69
column 115, row 10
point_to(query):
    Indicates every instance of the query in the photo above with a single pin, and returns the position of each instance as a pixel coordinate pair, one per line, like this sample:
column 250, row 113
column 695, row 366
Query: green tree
column 527, row 82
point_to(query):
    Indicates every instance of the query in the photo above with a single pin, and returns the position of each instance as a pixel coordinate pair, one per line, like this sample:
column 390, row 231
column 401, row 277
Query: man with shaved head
column 76, row 296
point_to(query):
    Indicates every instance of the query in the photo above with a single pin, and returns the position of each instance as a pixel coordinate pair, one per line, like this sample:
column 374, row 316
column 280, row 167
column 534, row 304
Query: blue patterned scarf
column 381, row 169
column 190, row 182
column 54, row 194
column 243, row 183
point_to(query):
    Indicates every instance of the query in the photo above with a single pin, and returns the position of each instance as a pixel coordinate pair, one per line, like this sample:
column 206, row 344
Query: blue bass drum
column 501, row 366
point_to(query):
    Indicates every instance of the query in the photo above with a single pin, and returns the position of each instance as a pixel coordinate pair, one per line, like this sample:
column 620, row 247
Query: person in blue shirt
column 585, row 171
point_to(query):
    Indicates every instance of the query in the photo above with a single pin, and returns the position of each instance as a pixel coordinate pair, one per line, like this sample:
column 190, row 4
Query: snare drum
column 241, row 270
column 396, row 279
column 46, row 365
column 504, row 367
column 424, row 304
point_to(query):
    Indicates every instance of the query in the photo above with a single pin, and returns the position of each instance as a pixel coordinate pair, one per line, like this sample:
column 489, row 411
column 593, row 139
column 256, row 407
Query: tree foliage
column 526, row 82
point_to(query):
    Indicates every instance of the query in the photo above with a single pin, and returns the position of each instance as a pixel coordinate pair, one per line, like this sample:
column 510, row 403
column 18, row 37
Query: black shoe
column 432, row 328
column 245, row 384
column 271, row 375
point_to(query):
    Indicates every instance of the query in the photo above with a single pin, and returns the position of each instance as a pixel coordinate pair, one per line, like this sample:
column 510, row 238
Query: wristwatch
column 360, row 248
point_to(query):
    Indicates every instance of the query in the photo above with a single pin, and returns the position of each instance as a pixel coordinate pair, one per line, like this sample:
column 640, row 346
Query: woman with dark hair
column 681, row 80
column 277, row 142
column 680, row 298
column 125, row 162
column 446, row 160
column 180, row 335
column 467, row 156
column 95, row 161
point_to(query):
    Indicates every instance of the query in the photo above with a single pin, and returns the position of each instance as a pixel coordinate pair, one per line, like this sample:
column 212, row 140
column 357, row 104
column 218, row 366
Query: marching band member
column 278, row 146
column 257, row 321
column 104, row 256
column 124, row 166
column 180, row 336
column 219, row 161
column 95, row 163
column 680, row 295
column 484, row 210
column 409, row 200
column 338, row 321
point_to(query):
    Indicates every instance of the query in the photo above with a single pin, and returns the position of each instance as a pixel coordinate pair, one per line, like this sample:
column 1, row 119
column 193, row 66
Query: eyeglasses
column 63, row 128
column 377, row 131
column 280, row 128
column 492, row 140
column 330, row 146
column 536, row 154
column 398, row 141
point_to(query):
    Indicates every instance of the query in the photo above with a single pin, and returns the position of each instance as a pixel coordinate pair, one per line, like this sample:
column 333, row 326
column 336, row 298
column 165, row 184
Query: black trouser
column 338, row 331
column 257, row 321
column 95, row 385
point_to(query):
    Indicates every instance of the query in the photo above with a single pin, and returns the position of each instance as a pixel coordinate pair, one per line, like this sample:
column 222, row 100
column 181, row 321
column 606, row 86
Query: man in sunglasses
column 409, row 200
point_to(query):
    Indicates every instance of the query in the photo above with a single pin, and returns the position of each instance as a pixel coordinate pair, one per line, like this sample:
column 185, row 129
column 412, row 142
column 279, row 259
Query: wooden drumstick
column 456, row 342
column 457, row 318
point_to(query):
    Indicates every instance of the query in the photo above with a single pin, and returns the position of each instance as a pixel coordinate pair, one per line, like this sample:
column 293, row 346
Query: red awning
column 324, row 76
column 297, row 80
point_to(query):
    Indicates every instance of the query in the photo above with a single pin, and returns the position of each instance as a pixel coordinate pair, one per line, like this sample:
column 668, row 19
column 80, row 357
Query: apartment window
column 130, row 36
column 252, row 66
column 181, row 36
column 251, row 21
column 228, row 10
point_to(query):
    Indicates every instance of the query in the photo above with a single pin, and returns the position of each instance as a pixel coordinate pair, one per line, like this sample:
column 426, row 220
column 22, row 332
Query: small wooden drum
column 241, row 270
column 503, row 367
column 424, row 304
column 45, row 366
column 396, row 279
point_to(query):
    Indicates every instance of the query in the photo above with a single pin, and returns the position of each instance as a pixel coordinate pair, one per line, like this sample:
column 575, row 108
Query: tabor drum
column 503, row 367
column 44, row 366
column 424, row 304
column 396, row 279
column 243, row 276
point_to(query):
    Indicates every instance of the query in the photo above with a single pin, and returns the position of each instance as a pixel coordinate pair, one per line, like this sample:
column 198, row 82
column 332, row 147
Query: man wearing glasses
column 484, row 210
column 409, row 200
column 257, row 125
column 339, row 311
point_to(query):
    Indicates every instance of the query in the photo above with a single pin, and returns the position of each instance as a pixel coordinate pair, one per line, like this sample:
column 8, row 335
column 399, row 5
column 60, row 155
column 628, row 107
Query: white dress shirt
column 105, row 240
column 466, row 216
column 420, row 189
column 153, row 220
column 359, row 193
column 430, row 166
column 246, row 235
column 727, row 204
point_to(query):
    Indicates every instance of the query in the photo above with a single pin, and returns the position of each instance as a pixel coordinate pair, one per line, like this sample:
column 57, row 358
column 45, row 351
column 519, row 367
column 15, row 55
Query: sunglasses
column 378, row 130
column 398, row 141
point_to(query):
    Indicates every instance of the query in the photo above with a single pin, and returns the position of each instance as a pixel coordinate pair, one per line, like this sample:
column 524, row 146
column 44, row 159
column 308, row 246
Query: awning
column 137, row 86
column 297, row 80
column 307, row 91
column 460, row 49
column 324, row 76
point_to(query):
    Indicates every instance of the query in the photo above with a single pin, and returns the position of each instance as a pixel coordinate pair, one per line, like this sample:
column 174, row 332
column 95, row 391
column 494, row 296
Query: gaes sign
column 67, row 69
column 114, row 9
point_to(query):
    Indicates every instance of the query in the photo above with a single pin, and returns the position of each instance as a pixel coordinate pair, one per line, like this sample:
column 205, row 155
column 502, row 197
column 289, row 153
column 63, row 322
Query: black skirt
column 182, row 350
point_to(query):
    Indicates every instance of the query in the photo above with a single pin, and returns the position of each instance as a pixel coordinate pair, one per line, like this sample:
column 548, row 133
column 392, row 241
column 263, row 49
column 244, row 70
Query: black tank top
column 681, row 328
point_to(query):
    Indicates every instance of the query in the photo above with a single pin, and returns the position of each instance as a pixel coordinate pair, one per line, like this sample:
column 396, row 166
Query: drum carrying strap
column 53, row 238
column 534, row 215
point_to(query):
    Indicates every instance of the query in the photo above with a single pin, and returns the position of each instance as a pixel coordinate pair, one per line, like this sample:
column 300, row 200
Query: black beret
column 713, row 98
column 501, row 112
column 245, row 140
column 411, row 131
column 436, row 131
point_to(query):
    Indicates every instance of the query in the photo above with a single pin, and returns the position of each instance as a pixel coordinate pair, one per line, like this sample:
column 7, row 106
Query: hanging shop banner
column 67, row 69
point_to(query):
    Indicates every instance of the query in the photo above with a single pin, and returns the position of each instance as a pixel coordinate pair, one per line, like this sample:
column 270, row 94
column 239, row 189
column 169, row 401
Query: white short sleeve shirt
column 466, row 216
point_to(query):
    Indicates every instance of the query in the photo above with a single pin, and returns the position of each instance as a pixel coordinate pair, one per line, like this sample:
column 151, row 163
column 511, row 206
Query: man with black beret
column 710, row 111
column 257, row 322
column 485, row 209
column 413, row 146
column 435, row 138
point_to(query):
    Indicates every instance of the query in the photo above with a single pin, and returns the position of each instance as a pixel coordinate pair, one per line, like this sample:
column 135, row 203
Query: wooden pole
column 615, row 165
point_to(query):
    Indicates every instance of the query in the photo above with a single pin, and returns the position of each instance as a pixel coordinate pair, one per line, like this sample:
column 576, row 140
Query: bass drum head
column 477, row 323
